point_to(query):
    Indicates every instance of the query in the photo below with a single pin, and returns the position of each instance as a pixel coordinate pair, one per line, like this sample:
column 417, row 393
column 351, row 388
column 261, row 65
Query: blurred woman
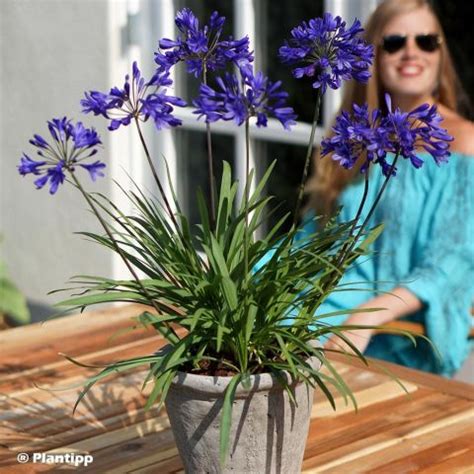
column 425, row 255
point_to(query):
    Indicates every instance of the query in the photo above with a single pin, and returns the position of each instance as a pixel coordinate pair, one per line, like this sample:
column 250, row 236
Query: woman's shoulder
column 462, row 131
column 464, row 138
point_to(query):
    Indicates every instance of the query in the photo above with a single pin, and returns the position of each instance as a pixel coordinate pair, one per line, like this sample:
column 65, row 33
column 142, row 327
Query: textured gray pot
column 268, row 432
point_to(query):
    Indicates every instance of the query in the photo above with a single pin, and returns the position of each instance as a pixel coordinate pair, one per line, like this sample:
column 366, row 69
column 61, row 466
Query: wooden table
column 429, row 430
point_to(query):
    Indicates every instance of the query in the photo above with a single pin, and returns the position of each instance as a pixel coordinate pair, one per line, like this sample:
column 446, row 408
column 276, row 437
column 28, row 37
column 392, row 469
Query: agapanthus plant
column 232, row 309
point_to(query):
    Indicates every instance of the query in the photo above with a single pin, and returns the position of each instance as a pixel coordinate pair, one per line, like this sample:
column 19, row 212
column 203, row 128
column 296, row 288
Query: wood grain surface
column 427, row 428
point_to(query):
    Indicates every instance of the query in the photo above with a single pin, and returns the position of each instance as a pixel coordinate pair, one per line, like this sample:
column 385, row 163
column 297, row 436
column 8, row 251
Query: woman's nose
column 410, row 49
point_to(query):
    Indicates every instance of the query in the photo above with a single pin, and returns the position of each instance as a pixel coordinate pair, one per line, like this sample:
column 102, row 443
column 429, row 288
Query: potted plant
column 238, row 312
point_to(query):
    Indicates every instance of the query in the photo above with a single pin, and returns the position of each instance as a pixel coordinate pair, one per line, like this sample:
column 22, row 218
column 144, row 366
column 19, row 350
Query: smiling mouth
column 410, row 71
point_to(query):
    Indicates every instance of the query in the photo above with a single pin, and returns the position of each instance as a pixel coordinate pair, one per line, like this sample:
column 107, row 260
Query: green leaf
column 162, row 383
column 12, row 302
column 230, row 292
column 246, row 381
column 250, row 317
column 218, row 258
column 226, row 418
column 225, row 192
column 372, row 235
column 203, row 213
column 287, row 355
column 127, row 296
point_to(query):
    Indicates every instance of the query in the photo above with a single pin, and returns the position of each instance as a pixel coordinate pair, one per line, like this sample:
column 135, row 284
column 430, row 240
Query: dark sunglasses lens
column 393, row 43
column 428, row 43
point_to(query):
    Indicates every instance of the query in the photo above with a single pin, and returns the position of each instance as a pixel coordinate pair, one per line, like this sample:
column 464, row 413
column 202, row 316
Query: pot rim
column 210, row 384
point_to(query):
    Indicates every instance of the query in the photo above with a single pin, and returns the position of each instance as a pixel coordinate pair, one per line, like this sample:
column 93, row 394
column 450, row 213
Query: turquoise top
column 427, row 246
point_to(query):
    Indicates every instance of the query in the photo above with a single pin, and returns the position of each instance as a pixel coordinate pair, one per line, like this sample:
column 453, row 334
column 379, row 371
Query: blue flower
column 60, row 129
column 137, row 99
column 417, row 129
column 98, row 103
column 240, row 98
column 354, row 136
column 27, row 165
column 55, row 175
column 328, row 52
column 201, row 48
column 159, row 108
column 71, row 145
column 372, row 136
column 84, row 137
column 94, row 169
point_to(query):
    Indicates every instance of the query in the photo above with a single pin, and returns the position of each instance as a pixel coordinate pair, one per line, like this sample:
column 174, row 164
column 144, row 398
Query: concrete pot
column 268, row 432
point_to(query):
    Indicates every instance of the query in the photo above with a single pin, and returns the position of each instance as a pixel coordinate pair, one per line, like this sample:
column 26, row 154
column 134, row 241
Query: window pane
column 275, row 20
column 193, row 166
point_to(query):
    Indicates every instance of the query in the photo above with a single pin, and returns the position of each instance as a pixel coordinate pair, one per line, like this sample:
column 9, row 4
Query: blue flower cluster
column 244, row 95
column 328, row 52
column 71, row 145
column 201, row 48
column 371, row 136
column 139, row 99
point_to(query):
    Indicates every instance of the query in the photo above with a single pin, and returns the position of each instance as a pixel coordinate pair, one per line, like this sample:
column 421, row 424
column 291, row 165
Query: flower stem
column 246, row 197
column 309, row 153
column 120, row 251
column 155, row 175
column 212, row 179
column 374, row 205
column 210, row 162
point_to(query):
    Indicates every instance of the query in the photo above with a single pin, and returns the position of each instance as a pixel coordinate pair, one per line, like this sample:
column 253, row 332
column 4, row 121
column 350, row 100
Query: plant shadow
column 37, row 420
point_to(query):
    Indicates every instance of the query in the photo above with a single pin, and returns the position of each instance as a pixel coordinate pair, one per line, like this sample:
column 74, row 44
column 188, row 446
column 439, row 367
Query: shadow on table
column 39, row 420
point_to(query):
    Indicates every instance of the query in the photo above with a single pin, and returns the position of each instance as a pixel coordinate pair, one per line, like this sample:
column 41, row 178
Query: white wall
column 51, row 52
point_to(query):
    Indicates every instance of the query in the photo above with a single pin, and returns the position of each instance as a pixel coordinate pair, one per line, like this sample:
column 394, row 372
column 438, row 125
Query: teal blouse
column 427, row 246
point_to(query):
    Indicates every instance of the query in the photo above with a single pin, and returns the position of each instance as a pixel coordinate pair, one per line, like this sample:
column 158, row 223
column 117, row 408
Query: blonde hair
column 329, row 178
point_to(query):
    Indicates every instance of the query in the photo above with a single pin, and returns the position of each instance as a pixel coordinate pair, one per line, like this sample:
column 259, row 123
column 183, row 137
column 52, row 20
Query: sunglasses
column 427, row 43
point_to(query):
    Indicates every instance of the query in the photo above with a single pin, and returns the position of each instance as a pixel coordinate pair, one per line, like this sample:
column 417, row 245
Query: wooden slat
column 52, row 331
column 38, row 344
column 409, row 451
column 151, row 449
column 106, row 354
column 377, row 394
column 442, row 384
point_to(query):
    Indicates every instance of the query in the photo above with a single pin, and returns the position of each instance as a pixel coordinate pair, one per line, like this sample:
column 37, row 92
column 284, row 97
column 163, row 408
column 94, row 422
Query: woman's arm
column 400, row 302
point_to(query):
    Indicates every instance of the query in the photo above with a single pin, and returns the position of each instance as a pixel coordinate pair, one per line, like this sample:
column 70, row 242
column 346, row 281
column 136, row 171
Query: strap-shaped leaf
column 127, row 296
column 226, row 418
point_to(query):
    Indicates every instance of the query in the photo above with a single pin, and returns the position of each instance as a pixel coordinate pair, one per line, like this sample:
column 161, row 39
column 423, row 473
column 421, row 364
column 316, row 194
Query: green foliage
column 12, row 301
